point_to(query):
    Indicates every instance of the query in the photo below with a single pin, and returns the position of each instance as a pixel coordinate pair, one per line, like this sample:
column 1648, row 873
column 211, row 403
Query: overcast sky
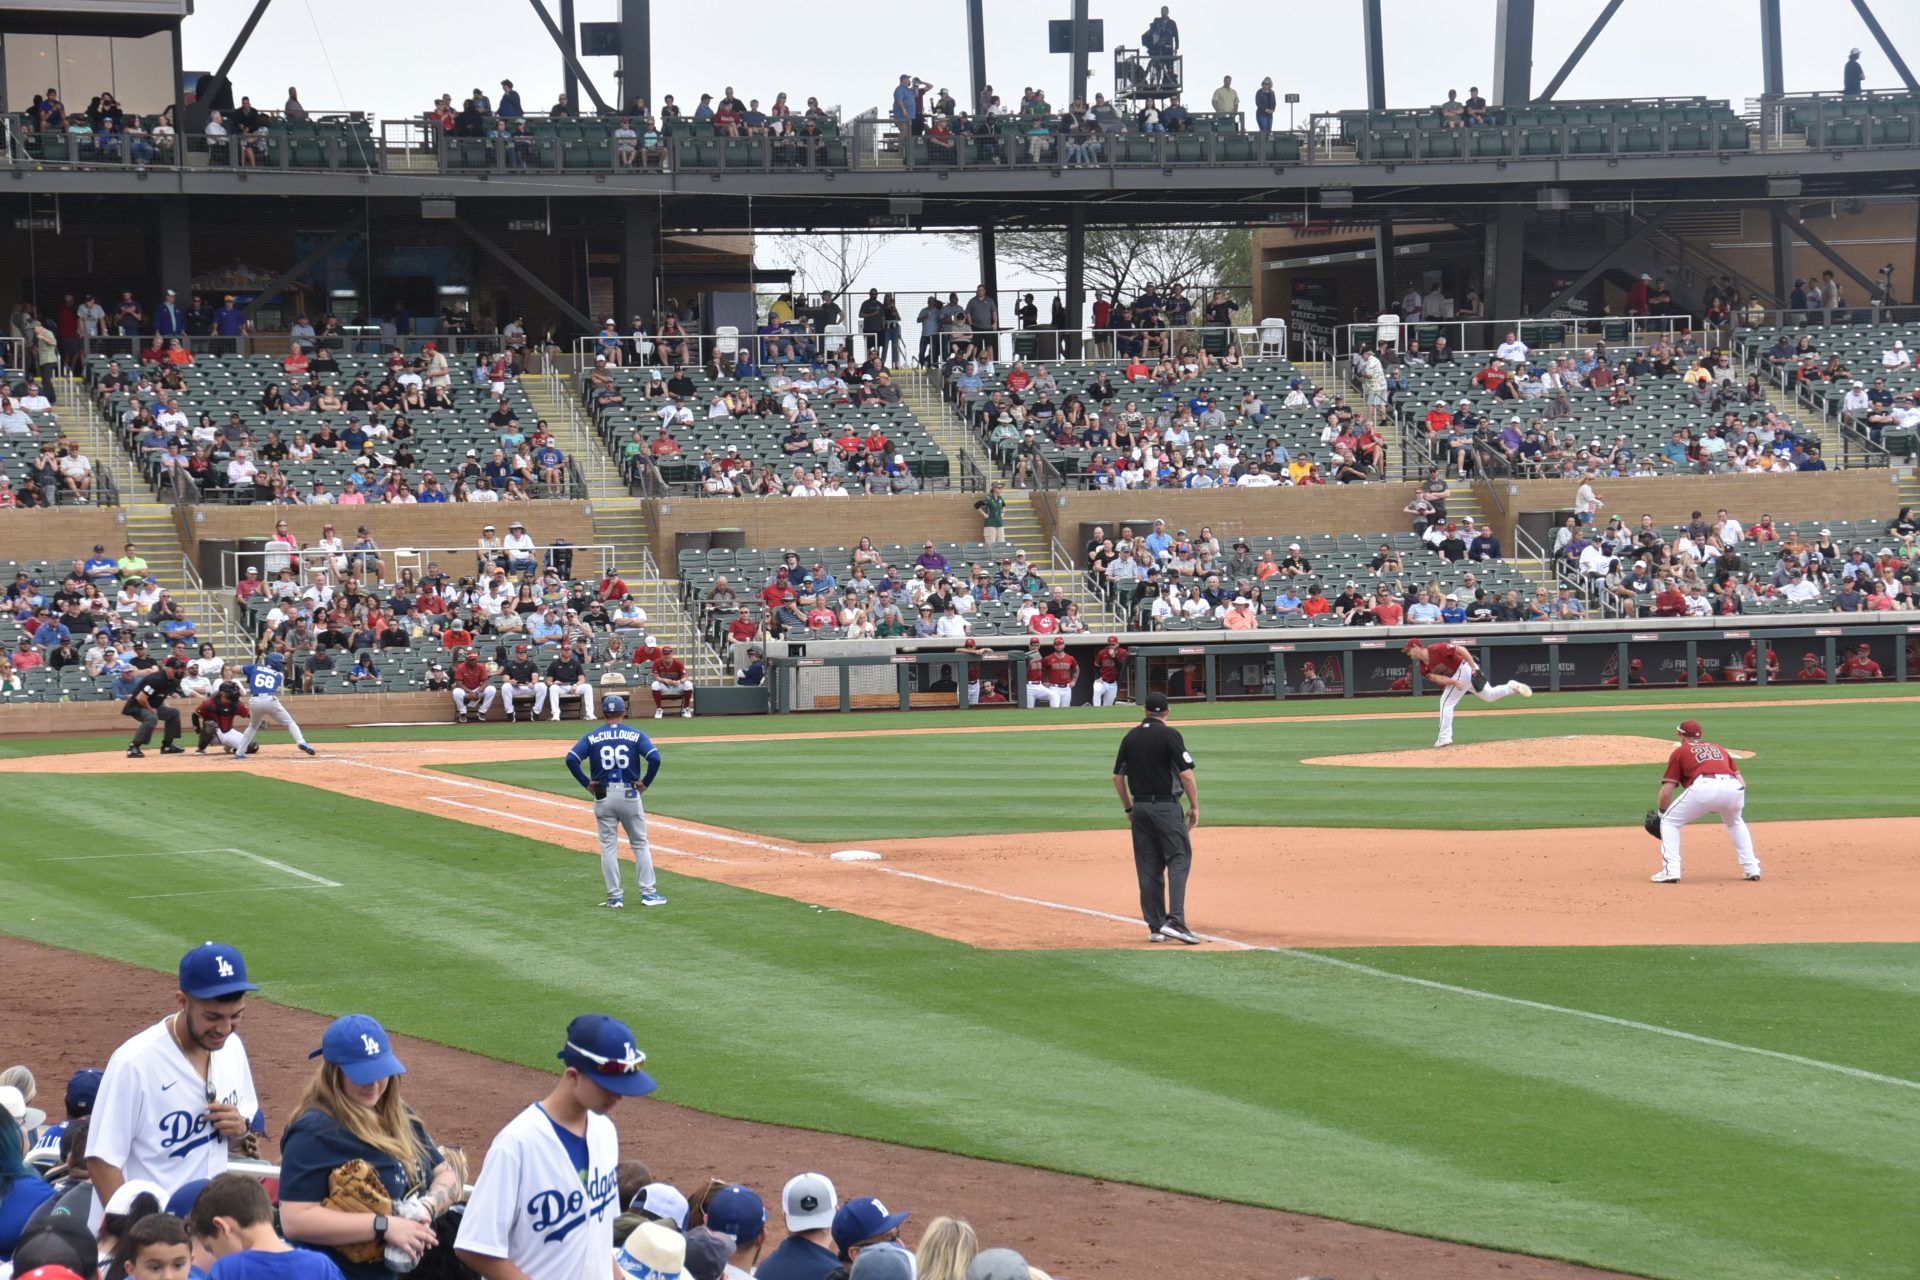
column 392, row 59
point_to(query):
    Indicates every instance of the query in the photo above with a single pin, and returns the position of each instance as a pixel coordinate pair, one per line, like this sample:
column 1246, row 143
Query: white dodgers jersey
column 150, row 1118
column 533, row 1208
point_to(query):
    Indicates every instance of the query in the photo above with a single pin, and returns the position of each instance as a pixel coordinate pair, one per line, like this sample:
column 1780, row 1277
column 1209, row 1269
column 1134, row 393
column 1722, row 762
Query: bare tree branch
column 1122, row 261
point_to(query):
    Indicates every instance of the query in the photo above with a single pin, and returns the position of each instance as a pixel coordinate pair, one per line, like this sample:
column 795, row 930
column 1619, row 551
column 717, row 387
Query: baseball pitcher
column 1457, row 674
column 265, row 680
column 1108, row 663
column 613, row 757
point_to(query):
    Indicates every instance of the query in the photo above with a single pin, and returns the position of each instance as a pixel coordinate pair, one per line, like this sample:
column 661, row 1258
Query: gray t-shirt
column 980, row 313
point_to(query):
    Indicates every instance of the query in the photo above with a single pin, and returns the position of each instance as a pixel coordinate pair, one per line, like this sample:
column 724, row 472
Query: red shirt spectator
column 1439, row 421
column 1018, row 379
column 455, row 639
column 1491, row 378
column 742, row 629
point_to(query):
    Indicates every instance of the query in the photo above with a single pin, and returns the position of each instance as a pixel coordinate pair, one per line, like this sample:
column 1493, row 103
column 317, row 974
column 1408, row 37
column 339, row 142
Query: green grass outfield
column 1271, row 1078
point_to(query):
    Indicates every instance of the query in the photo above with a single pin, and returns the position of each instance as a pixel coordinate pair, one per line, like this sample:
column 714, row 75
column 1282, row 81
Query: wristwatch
column 379, row 1228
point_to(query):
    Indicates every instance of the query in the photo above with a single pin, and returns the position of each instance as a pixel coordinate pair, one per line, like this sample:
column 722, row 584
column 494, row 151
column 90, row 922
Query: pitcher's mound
column 1568, row 752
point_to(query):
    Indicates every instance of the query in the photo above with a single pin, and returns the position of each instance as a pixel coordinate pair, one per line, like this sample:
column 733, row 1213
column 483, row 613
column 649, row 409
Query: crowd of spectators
column 1159, row 426
column 219, row 1218
column 1723, row 566
column 105, row 616
column 245, row 457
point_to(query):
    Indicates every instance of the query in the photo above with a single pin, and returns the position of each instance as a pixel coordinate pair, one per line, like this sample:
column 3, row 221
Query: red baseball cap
column 1414, row 643
column 1689, row 729
column 1113, row 639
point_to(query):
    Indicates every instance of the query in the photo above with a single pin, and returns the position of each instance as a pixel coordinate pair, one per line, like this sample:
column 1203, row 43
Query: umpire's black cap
column 1156, row 704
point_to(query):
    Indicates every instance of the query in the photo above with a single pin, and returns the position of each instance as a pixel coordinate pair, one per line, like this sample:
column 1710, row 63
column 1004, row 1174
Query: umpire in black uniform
column 1151, row 770
column 148, row 705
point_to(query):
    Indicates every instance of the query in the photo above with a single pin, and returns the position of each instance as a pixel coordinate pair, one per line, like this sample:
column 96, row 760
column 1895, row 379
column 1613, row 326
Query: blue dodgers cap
column 739, row 1212
column 212, row 971
column 616, row 705
column 601, row 1047
column 863, row 1218
column 277, row 660
column 359, row 1046
column 82, row 1088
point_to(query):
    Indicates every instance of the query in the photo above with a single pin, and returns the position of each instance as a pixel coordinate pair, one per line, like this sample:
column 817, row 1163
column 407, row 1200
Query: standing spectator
column 503, row 1235
column 1853, row 76
column 983, row 319
column 809, row 1202
column 352, row 1110
column 1264, row 103
column 141, row 1130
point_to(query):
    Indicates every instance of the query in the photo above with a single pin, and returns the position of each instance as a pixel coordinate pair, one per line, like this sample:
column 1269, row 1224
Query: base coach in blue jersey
column 617, row 763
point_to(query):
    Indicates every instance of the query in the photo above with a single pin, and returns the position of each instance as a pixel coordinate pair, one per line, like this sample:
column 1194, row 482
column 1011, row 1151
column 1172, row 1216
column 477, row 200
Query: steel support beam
column 1082, row 37
column 977, row 54
column 1886, row 45
column 636, row 286
column 1607, row 259
column 179, row 78
column 1782, row 257
column 1373, row 34
column 219, row 81
column 1383, row 266
column 1773, row 65
column 176, row 247
column 1505, row 259
column 1076, row 273
column 570, row 34
column 1827, row 251
column 351, row 228
column 1579, row 51
column 526, row 276
column 574, row 69
column 636, row 53
column 990, row 261
column 1512, row 53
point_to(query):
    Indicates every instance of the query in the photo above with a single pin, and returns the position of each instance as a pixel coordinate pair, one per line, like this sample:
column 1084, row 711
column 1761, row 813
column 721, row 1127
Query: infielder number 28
column 613, row 757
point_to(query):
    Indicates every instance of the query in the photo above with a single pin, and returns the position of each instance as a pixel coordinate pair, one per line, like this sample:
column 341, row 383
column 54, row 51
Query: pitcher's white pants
column 1457, row 688
column 1715, row 793
column 1105, row 692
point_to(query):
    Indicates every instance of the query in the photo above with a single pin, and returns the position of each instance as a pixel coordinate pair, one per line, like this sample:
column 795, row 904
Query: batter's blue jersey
column 263, row 681
column 617, row 754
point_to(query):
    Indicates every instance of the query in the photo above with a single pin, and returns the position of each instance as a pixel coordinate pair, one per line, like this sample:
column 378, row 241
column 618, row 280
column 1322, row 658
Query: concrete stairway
column 964, row 453
column 149, row 523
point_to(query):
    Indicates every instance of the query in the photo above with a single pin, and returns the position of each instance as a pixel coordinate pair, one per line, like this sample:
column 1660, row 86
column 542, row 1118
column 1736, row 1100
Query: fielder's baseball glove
column 599, row 788
column 1652, row 823
column 355, row 1188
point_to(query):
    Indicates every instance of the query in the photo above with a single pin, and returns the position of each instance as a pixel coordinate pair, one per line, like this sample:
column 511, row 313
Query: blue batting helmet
column 616, row 705
column 276, row 660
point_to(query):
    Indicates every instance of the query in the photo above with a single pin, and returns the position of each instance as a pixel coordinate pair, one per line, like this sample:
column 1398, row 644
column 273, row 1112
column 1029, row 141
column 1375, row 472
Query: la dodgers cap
column 808, row 1201
column 654, row 1251
column 601, row 1047
column 662, row 1201
column 863, row 1218
column 83, row 1086
column 213, row 971
column 360, row 1048
column 738, row 1212
column 616, row 705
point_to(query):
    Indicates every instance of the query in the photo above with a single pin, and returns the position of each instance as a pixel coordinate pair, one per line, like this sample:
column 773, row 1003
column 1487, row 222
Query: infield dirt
column 1829, row 881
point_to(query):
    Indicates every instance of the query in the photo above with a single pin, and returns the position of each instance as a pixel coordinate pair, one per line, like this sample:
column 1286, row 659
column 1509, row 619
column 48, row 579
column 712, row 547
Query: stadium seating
column 757, row 438
column 234, row 384
column 17, row 453
column 1860, row 346
column 1596, row 127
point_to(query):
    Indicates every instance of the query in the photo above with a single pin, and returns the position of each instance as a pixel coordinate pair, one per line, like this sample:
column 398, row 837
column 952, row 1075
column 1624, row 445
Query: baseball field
column 1440, row 996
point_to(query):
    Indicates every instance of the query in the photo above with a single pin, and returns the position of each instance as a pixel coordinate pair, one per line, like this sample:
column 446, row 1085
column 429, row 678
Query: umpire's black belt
column 1140, row 799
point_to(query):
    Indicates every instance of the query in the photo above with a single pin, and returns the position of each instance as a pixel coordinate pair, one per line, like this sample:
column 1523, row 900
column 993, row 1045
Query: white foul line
column 556, row 826
column 1857, row 1073
column 207, row 893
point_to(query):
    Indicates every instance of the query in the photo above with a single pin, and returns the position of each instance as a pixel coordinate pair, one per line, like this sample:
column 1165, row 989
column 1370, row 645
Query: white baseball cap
column 663, row 1201
column 809, row 1200
column 14, row 1103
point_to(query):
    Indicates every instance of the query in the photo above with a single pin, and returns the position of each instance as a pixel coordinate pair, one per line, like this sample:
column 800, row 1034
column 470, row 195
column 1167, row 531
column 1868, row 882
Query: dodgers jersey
column 263, row 681
column 614, row 753
column 150, row 1118
column 532, row 1207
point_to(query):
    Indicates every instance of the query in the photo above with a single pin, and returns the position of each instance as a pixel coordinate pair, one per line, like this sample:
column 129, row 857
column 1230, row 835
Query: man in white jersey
column 178, row 1096
column 549, row 1190
column 265, row 682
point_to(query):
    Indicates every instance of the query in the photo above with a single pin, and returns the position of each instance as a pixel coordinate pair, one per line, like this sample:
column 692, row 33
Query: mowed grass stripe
column 1808, row 765
column 1403, row 709
column 1250, row 1077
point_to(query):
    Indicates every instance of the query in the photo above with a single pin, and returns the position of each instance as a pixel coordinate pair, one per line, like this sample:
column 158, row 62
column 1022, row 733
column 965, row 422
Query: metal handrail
column 1580, row 332
column 301, row 560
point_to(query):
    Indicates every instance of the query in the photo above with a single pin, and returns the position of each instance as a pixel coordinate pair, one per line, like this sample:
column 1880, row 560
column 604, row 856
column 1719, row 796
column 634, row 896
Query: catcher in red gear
column 213, row 719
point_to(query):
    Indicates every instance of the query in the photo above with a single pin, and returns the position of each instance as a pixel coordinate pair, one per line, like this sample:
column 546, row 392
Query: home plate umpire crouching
column 1153, row 759
column 148, row 705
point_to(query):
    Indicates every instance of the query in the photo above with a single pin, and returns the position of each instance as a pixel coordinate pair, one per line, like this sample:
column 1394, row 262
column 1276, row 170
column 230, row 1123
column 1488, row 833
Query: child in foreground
column 233, row 1219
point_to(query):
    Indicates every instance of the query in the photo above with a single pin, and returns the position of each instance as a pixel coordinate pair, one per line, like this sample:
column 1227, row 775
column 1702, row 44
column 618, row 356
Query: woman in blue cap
column 352, row 1110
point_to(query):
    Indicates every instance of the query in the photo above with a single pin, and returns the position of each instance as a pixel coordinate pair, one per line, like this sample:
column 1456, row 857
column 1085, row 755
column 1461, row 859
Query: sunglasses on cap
column 627, row 1066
